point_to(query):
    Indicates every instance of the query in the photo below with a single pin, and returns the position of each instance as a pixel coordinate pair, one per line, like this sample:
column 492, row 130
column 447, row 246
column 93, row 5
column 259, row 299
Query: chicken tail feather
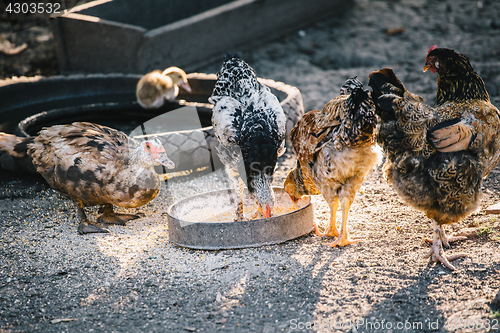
column 358, row 94
column 387, row 89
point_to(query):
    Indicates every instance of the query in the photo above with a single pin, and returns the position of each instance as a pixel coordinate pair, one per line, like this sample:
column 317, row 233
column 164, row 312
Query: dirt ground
column 135, row 280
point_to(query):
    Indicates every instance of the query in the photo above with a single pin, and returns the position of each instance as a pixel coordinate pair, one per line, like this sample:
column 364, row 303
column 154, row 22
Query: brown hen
column 335, row 151
column 437, row 156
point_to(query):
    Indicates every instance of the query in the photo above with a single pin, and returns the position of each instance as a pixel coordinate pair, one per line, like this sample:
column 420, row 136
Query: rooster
column 155, row 87
column 335, row 151
column 437, row 156
column 93, row 165
column 249, row 124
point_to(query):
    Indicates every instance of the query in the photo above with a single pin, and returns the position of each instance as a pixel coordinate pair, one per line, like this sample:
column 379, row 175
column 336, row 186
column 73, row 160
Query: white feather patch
column 223, row 118
column 269, row 103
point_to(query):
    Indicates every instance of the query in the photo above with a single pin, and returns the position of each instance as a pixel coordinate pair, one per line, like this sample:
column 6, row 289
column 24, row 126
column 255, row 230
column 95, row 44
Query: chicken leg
column 437, row 253
column 331, row 228
column 344, row 238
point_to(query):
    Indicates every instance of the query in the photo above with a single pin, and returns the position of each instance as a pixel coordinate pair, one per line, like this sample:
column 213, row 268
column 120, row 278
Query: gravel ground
column 135, row 280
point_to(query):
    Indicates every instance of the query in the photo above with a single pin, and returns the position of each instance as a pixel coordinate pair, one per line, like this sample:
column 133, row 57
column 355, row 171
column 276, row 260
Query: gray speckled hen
column 93, row 165
column 248, row 122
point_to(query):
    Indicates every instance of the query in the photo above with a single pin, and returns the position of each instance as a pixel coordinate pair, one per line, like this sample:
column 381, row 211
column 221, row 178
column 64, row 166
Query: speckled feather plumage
column 248, row 122
column 457, row 80
column 245, row 107
column 335, row 147
column 237, row 80
column 348, row 120
column 446, row 186
column 91, row 163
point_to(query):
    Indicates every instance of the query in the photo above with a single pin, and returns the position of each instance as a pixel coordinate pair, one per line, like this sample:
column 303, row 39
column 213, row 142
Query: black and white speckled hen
column 93, row 165
column 335, row 151
column 437, row 156
column 248, row 122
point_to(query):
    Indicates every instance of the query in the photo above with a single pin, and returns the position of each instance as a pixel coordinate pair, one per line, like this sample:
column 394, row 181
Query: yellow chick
column 156, row 87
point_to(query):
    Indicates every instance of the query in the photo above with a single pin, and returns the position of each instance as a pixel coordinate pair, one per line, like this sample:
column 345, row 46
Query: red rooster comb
column 433, row 47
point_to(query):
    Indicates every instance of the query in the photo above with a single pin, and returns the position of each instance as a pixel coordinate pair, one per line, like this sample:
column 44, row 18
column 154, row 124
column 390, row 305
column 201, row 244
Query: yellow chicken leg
column 331, row 228
column 344, row 238
column 437, row 253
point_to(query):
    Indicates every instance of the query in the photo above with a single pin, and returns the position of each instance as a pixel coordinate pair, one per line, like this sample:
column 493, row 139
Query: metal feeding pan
column 189, row 226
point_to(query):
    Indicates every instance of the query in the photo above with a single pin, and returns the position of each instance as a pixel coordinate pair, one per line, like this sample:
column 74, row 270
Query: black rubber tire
column 28, row 104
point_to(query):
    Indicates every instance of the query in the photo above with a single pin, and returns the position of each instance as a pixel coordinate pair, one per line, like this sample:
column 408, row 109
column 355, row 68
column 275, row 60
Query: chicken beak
column 185, row 86
column 267, row 213
column 431, row 66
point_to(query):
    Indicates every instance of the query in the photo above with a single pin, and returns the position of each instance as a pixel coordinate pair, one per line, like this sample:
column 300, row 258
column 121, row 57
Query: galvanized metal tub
column 232, row 235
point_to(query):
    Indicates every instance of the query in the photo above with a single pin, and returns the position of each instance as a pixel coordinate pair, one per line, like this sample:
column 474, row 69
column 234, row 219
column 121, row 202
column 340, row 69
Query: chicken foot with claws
column 344, row 238
column 331, row 229
column 437, row 252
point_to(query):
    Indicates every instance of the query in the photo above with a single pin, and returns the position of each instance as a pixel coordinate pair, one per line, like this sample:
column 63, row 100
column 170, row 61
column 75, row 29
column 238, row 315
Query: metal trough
column 232, row 235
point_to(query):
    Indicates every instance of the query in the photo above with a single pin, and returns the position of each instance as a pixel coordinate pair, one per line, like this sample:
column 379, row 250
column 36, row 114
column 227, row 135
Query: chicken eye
column 148, row 145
